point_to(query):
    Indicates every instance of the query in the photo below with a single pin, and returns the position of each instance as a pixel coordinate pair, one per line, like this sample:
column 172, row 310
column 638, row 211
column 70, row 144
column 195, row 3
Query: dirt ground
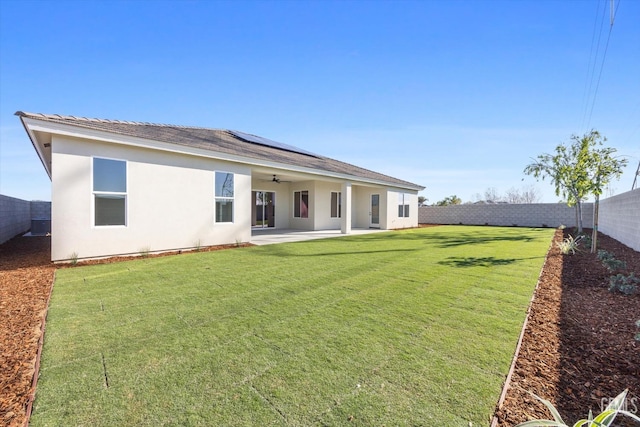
column 578, row 349
column 26, row 275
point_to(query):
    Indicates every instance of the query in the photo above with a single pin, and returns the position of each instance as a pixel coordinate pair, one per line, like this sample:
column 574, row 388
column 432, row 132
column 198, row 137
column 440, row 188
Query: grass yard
column 412, row 327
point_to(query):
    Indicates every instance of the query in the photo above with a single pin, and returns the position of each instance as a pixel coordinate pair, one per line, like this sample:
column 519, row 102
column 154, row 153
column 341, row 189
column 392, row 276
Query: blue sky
column 457, row 96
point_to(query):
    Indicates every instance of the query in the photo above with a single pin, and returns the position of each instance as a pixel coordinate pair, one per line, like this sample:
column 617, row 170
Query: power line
column 604, row 56
column 591, row 69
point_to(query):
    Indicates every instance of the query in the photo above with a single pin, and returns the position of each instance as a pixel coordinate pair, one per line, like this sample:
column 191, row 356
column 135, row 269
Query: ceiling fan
column 277, row 180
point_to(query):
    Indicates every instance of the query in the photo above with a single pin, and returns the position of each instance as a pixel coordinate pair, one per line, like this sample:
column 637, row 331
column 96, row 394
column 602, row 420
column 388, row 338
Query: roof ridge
column 98, row 120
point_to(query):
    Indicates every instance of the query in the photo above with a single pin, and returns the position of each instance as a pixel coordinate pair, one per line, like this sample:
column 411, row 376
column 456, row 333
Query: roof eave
column 37, row 145
column 32, row 124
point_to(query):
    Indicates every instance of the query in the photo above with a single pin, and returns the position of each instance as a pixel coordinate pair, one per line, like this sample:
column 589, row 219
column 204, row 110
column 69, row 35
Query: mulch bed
column 578, row 347
column 26, row 276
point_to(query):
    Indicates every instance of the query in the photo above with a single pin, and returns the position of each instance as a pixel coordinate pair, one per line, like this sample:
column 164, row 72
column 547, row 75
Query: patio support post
column 345, row 220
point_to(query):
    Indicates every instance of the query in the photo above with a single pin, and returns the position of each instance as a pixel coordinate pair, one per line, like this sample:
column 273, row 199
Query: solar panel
column 269, row 143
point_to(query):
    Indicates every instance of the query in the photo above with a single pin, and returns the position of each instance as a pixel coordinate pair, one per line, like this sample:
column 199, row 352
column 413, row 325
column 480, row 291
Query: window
column 403, row 205
column 224, row 197
column 301, row 204
column 109, row 192
column 336, row 204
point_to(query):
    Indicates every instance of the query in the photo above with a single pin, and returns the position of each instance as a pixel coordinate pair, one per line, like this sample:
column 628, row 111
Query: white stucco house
column 120, row 187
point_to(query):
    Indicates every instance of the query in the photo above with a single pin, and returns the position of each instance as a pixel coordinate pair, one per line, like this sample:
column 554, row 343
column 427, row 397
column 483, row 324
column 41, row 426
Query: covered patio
column 266, row 236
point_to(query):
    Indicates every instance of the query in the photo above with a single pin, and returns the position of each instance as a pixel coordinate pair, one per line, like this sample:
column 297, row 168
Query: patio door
column 264, row 208
column 374, row 221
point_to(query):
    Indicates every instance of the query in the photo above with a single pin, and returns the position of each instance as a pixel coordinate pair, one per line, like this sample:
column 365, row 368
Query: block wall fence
column 16, row 215
column 524, row 215
column 619, row 216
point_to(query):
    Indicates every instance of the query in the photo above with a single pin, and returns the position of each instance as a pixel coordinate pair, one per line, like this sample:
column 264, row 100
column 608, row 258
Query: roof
column 220, row 141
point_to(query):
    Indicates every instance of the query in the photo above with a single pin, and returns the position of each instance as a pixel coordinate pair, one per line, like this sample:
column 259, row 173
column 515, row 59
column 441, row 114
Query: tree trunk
column 594, row 234
column 579, row 212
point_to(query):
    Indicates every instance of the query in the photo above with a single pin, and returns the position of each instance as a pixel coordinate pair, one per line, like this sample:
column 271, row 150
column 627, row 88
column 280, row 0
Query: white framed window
column 301, row 204
column 109, row 192
column 336, row 204
column 224, row 183
column 403, row 205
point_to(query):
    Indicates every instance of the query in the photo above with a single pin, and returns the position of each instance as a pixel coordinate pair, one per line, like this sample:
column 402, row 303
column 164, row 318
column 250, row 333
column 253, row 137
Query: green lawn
column 412, row 327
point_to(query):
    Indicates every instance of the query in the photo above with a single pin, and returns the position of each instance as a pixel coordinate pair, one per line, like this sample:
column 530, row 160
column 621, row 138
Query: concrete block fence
column 16, row 215
column 520, row 215
column 620, row 218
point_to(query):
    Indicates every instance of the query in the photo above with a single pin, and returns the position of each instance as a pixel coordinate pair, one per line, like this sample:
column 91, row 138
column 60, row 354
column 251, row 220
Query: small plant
column 74, row 258
column 627, row 285
column 585, row 240
column 609, row 261
column 570, row 245
column 605, row 419
column 638, row 334
column 198, row 245
column 144, row 252
column 238, row 243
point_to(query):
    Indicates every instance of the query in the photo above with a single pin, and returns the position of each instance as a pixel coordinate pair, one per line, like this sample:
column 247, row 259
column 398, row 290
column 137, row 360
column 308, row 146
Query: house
column 120, row 187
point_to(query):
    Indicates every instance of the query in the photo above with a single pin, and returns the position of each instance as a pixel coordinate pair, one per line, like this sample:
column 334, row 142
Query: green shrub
column 605, row 419
column 627, row 285
column 609, row 261
column 638, row 334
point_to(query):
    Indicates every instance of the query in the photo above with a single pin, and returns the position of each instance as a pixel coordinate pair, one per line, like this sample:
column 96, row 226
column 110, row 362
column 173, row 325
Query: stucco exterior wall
column 15, row 217
column 620, row 218
column 170, row 201
column 361, row 196
column 303, row 223
column 323, row 205
column 523, row 215
column 394, row 221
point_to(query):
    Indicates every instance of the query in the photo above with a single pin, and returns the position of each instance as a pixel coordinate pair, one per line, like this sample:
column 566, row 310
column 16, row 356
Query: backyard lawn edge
column 507, row 381
column 36, row 372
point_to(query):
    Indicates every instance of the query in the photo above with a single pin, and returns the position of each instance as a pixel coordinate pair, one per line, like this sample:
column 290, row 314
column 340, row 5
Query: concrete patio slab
column 265, row 236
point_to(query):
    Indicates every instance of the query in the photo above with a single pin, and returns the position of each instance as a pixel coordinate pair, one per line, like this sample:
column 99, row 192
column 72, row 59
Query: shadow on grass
column 453, row 239
column 476, row 262
column 481, row 262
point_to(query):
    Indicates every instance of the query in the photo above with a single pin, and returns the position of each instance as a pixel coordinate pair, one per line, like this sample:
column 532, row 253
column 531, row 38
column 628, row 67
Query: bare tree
column 491, row 195
column 513, row 196
column 477, row 197
column 530, row 194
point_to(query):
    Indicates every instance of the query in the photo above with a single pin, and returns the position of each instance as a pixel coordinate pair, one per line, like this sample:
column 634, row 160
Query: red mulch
column 26, row 275
column 578, row 347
